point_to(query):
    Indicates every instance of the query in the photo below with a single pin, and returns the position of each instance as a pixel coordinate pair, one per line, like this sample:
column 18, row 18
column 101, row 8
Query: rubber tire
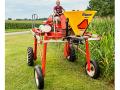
column 97, row 69
column 30, row 56
column 72, row 54
column 40, row 77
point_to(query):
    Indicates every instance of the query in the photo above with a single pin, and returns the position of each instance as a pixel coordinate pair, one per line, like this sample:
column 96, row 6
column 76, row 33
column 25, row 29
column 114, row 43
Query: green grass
column 60, row 73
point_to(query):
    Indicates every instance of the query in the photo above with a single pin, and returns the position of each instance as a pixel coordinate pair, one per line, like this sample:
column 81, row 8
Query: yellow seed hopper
column 79, row 20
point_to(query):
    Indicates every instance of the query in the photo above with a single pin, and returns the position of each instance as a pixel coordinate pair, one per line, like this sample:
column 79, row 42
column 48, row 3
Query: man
column 58, row 13
column 58, row 10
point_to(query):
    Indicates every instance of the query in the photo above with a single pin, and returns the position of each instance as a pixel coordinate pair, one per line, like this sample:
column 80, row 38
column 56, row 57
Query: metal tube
column 80, row 49
column 87, row 53
column 44, row 56
column 35, row 48
column 34, row 16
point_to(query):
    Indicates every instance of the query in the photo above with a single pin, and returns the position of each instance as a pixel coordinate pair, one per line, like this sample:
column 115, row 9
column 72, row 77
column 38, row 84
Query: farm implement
column 69, row 28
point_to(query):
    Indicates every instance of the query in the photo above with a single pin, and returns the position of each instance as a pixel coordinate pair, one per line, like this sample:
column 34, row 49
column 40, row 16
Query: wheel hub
column 91, row 72
column 36, row 78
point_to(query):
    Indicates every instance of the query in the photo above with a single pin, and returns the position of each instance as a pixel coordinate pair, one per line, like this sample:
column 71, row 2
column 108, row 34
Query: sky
column 25, row 8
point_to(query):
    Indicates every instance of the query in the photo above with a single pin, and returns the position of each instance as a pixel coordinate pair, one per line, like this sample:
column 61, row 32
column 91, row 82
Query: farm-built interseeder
column 70, row 29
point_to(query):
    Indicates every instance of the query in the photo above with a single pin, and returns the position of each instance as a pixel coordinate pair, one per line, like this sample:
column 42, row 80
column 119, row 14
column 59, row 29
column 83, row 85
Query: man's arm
column 54, row 11
column 62, row 9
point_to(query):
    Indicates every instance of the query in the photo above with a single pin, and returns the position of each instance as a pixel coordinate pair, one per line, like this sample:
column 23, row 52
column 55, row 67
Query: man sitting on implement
column 58, row 11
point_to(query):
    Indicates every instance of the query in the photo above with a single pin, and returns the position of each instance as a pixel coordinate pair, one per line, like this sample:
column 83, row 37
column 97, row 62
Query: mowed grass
column 60, row 73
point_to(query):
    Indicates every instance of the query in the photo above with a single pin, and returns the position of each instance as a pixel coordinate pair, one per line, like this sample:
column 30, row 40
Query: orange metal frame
column 66, row 49
column 55, row 35
column 47, row 36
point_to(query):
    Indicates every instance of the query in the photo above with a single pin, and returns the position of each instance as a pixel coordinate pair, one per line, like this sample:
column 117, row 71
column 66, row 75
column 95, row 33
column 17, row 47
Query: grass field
column 60, row 74
column 17, row 25
column 16, row 30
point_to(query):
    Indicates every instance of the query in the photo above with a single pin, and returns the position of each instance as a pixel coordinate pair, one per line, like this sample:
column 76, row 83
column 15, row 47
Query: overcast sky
column 25, row 8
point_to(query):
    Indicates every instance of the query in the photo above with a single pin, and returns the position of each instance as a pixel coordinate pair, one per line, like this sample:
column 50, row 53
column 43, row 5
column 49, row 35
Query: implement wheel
column 94, row 70
column 30, row 56
column 39, row 79
column 72, row 55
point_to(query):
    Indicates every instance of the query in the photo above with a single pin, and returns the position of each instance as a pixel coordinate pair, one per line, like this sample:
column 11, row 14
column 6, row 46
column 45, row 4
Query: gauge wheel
column 94, row 69
column 30, row 56
column 39, row 79
column 72, row 55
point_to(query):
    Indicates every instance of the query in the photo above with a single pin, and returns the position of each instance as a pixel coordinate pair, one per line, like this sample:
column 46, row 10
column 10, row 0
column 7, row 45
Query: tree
column 9, row 18
column 103, row 7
